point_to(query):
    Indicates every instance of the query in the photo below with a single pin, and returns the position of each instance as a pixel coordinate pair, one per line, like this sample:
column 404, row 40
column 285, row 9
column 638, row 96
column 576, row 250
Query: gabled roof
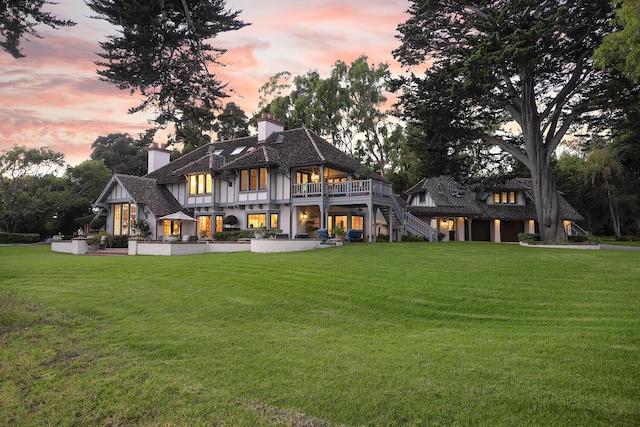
column 453, row 199
column 285, row 150
column 145, row 191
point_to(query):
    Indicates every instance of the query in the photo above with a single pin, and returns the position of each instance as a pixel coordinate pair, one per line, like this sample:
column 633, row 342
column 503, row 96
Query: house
column 291, row 180
column 494, row 212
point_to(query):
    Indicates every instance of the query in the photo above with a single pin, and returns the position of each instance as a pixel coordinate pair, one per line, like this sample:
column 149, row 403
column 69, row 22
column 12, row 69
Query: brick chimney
column 158, row 156
column 268, row 124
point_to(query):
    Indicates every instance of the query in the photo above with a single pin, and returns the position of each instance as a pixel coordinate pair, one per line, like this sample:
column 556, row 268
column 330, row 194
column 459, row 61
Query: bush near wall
column 118, row 241
column 234, row 235
column 13, row 238
column 412, row 238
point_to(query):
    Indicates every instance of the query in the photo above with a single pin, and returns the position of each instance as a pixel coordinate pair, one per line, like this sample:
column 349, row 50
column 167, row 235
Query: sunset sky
column 53, row 97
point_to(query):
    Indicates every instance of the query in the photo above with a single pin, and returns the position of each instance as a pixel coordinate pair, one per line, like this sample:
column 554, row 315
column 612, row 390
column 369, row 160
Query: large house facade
column 290, row 180
column 296, row 182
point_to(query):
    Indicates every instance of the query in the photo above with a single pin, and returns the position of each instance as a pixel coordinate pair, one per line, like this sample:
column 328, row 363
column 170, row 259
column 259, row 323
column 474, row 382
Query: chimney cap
column 269, row 117
column 157, row 146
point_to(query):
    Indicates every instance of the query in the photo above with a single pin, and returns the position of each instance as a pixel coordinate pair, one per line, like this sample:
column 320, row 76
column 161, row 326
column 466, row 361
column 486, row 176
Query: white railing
column 420, row 227
column 347, row 188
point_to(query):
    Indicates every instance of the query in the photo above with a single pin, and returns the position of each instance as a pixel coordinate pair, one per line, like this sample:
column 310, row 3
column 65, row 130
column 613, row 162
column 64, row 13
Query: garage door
column 481, row 230
column 509, row 230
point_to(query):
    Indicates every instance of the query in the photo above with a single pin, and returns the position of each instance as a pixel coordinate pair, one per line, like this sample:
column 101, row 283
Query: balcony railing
column 347, row 188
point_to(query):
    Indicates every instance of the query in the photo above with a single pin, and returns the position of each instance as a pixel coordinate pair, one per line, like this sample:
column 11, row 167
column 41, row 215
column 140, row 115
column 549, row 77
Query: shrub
column 118, row 241
column 594, row 240
column 230, row 220
column 233, row 235
column 528, row 237
column 412, row 238
column 13, row 238
column 97, row 223
column 143, row 228
column 382, row 238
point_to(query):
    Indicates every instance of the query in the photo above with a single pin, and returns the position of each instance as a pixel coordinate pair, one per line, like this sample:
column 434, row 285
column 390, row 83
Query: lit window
column 505, row 198
column 256, row 220
column 253, row 179
column 124, row 219
column 200, row 184
column 262, row 183
column 274, row 223
column 204, row 226
column 357, row 222
column 208, row 183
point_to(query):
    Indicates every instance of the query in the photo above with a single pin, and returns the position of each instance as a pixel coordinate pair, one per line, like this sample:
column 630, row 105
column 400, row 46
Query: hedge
column 13, row 238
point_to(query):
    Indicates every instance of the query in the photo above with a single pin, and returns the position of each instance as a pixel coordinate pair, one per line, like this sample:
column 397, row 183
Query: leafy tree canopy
column 120, row 153
column 28, row 185
column 231, row 123
column 348, row 108
column 19, row 18
column 620, row 49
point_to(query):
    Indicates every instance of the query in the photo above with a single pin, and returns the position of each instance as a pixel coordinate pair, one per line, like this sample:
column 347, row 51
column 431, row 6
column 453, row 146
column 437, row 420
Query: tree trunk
column 613, row 211
column 547, row 203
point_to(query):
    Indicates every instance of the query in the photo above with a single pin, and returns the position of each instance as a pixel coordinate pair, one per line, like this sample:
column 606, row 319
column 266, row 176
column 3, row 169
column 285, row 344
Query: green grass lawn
column 367, row 334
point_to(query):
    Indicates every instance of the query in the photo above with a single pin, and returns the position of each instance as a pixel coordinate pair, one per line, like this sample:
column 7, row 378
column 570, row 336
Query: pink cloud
column 53, row 96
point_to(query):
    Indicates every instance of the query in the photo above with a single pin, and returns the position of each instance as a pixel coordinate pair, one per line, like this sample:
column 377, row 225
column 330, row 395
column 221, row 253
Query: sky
column 53, row 96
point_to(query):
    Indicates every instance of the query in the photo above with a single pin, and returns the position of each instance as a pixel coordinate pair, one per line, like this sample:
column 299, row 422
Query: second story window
column 200, row 184
column 505, row 198
column 253, row 179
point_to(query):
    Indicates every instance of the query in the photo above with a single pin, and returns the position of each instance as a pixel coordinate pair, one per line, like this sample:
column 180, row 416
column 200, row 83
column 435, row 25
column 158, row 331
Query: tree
column 347, row 108
column 496, row 62
column 231, row 123
column 620, row 49
column 603, row 170
column 162, row 51
column 121, row 153
column 23, row 190
column 19, row 18
column 88, row 179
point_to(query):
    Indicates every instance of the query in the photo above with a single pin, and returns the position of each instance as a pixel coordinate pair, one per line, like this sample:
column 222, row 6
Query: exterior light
column 304, row 216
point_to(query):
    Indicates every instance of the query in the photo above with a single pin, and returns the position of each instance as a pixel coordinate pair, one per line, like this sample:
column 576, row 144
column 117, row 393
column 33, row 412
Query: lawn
column 366, row 334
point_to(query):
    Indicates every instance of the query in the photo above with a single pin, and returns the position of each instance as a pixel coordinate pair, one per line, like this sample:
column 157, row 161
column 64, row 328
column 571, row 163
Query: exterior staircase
column 407, row 223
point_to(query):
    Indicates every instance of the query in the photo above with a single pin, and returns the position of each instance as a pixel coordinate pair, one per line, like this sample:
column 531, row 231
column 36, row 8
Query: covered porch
column 350, row 204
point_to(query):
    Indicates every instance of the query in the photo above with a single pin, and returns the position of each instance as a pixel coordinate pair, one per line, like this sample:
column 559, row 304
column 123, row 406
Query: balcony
column 341, row 189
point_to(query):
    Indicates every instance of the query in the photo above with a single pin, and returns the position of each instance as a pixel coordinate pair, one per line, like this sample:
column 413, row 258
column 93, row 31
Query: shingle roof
column 285, row 149
column 452, row 199
column 145, row 191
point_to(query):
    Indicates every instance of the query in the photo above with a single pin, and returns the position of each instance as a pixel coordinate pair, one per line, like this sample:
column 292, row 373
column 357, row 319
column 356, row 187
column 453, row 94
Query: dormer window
column 505, row 198
column 200, row 184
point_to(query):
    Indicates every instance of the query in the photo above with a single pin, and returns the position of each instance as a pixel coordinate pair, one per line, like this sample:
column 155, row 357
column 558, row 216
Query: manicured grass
column 367, row 334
